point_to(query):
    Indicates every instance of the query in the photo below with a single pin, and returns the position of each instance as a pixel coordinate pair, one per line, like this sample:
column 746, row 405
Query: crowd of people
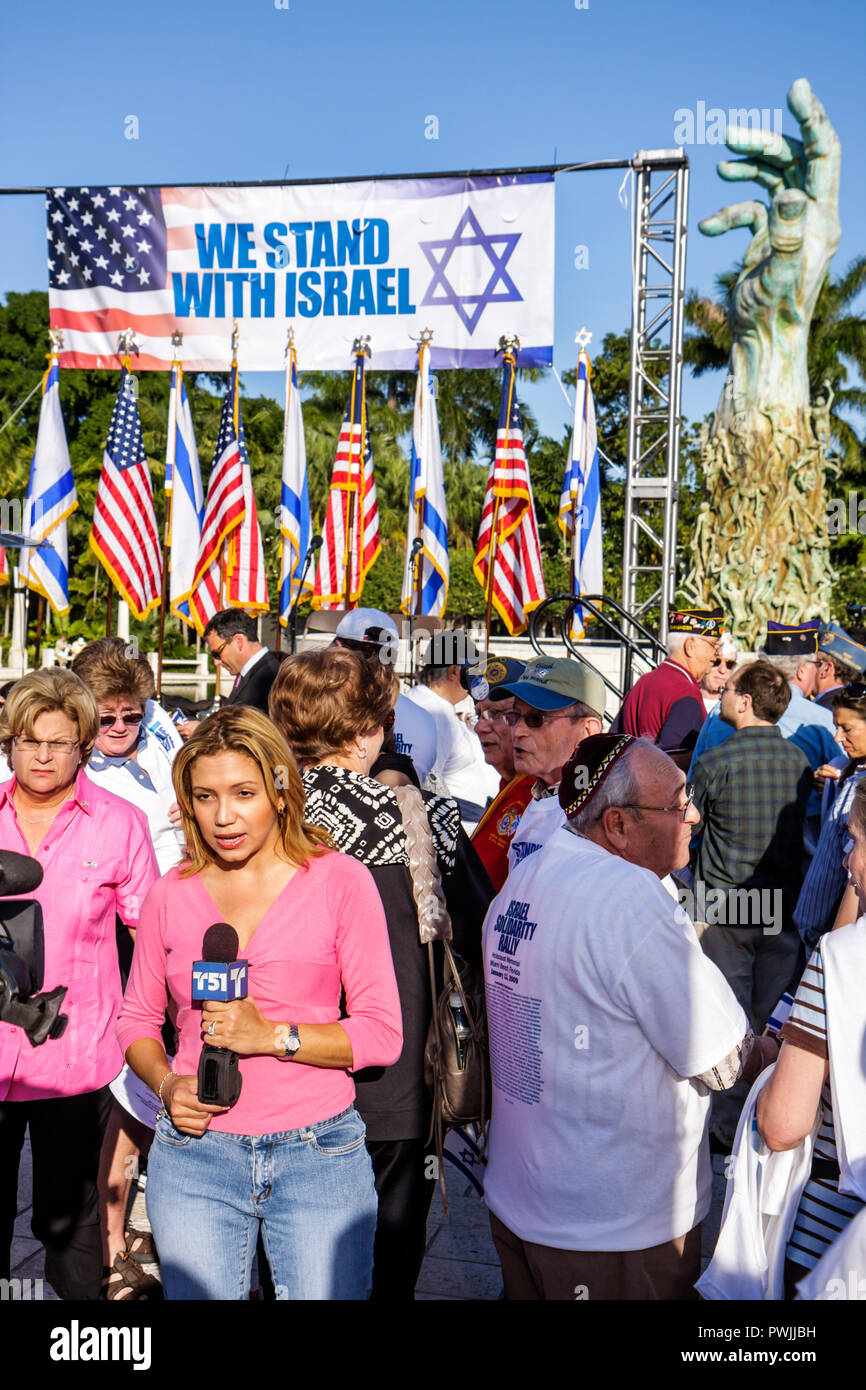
column 667, row 916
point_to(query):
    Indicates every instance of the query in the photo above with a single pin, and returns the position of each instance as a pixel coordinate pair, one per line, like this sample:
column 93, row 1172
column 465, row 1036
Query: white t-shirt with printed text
column 601, row 1006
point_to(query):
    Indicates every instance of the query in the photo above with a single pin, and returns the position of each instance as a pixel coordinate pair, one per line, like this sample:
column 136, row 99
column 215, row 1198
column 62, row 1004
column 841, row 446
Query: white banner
column 471, row 259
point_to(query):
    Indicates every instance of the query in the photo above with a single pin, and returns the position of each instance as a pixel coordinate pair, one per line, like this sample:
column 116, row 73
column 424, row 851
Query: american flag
column 124, row 534
column 352, row 499
column 230, row 569
column 508, row 525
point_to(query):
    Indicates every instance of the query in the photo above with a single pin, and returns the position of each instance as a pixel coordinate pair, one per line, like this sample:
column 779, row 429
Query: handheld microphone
column 417, row 546
column 219, row 975
column 18, row 874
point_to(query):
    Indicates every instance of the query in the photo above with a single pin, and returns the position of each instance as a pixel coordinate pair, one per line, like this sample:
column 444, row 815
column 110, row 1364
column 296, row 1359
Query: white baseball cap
column 367, row 625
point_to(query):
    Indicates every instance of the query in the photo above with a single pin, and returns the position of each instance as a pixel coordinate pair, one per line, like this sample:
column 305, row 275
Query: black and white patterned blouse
column 363, row 817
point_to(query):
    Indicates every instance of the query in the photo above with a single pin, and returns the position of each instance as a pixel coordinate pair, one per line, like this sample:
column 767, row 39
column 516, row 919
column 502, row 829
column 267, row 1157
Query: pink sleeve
column 143, row 869
column 143, row 1009
column 374, row 1025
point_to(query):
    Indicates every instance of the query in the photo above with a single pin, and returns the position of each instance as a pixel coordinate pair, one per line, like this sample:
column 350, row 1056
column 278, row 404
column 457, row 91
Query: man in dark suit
column 231, row 637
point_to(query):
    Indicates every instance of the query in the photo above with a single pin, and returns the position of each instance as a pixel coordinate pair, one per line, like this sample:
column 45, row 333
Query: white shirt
column 542, row 816
column 146, row 782
column 415, row 734
column 248, row 665
column 601, row 1007
column 459, row 754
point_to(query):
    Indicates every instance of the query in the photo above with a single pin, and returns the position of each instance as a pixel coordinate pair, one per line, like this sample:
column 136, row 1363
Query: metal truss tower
column 661, row 197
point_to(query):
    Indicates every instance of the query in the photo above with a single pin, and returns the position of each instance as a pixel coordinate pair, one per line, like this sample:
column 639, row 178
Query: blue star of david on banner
column 469, row 232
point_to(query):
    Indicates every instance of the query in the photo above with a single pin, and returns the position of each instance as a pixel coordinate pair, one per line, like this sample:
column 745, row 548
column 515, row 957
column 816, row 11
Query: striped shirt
column 826, row 878
column 823, row 1211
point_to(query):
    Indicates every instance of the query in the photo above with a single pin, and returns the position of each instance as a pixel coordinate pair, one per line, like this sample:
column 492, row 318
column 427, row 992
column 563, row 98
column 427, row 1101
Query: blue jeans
column 312, row 1189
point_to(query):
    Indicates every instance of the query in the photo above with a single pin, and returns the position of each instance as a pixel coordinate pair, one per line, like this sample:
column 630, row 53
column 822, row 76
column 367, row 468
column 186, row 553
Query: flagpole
column 508, row 345
column 170, row 452
column 37, row 646
column 360, row 348
column 583, row 338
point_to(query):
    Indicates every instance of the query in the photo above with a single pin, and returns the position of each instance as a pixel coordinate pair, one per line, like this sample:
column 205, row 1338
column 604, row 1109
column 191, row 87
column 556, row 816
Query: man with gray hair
column 609, row 1028
column 666, row 705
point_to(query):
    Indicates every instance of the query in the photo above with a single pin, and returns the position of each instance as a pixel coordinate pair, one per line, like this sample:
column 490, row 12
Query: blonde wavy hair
column 242, row 729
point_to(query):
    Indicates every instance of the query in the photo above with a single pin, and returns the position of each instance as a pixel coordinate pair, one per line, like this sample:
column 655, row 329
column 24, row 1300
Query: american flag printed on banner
column 518, row 578
column 124, row 534
column 352, row 478
column 229, row 571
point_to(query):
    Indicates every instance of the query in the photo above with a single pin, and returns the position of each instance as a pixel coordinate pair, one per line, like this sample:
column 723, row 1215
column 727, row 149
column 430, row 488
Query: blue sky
column 242, row 89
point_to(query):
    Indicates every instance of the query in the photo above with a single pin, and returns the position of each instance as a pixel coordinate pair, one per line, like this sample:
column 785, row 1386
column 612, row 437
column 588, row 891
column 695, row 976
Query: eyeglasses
column 54, row 745
column 533, row 720
column 720, row 661
column 106, row 721
column 216, row 652
column 493, row 716
column 682, row 811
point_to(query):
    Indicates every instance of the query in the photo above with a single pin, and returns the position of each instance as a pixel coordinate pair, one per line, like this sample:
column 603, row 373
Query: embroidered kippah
column 587, row 768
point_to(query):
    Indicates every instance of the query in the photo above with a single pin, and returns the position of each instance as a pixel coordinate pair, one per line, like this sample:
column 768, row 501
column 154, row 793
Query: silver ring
column 211, row 1027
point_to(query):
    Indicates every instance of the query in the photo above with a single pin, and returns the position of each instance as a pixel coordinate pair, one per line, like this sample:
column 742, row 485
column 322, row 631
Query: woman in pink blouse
column 97, row 864
column 290, row 1153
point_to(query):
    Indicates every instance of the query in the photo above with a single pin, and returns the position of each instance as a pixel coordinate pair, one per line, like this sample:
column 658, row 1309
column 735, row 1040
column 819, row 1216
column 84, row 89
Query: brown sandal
column 140, row 1245
column 127, row 1280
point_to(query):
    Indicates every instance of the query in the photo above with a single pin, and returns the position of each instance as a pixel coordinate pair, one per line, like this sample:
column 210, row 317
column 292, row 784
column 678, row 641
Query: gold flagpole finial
column 290, row 340
column 177, row 341
column 426, row 337
column 583, row 338
column 235, row 340
column 361, row 346
column 509, row 342
column 55, row 338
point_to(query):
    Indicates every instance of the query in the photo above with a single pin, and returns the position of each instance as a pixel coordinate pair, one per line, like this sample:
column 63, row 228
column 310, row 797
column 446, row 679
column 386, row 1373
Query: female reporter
column 98, row 864
column 290, row 1154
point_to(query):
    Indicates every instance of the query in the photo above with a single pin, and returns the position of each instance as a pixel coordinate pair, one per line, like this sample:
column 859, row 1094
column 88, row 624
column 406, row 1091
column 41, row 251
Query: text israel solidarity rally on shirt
column 590, row 966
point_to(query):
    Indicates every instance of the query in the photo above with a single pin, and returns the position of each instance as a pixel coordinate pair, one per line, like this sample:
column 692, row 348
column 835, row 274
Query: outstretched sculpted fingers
column 756, row 170
column 752, row 215
column 822, row 150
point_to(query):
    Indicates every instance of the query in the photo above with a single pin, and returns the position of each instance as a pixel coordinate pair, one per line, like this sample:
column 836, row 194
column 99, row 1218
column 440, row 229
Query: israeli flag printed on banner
column 581, row 494
column 183, row 483
column 51, row 498
column 295, row 524
column 427, row 513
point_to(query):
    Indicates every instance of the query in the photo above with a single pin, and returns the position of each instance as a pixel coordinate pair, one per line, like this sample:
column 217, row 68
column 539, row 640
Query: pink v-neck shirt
column 98, row 861
column 325, row 931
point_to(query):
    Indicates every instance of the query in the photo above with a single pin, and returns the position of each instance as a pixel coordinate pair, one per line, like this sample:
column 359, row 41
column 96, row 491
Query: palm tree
column 837, row 343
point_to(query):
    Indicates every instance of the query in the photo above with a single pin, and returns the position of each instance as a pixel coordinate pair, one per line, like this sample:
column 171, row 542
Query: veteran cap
column 792, row 639
column 496, row 670
column 703, row 622
column 551, row 683
column 833, row 640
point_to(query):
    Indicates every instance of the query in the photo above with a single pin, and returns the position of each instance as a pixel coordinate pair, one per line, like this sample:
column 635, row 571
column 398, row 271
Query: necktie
column 236, row 684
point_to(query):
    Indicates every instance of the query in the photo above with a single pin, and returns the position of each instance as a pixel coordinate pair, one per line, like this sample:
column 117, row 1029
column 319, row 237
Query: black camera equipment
column 22, row 954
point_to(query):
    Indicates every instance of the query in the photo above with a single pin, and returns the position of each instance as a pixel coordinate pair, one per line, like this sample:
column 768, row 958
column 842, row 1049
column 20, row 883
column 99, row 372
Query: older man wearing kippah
column 604, row 1013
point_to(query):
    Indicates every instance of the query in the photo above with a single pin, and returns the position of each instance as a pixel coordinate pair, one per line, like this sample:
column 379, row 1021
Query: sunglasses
column 720, row 661
column 533, row 720
column 107, row 721
column 855, row 690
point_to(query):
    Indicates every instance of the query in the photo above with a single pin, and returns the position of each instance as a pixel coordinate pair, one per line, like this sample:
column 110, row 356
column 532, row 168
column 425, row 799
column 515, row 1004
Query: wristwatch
column 292, row 1043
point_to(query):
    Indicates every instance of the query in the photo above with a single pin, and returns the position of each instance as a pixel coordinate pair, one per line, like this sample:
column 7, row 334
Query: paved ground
column 460, row 1263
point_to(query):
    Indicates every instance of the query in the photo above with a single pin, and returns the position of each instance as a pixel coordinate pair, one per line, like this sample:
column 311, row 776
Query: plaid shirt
column 751, row 792
column 826, row 878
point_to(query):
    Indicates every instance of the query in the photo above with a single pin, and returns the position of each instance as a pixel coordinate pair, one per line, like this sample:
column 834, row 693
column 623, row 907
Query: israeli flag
column 183, row 485
column 581, row 495
column 295, row 525
column 51, row 498
column 427, row 514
